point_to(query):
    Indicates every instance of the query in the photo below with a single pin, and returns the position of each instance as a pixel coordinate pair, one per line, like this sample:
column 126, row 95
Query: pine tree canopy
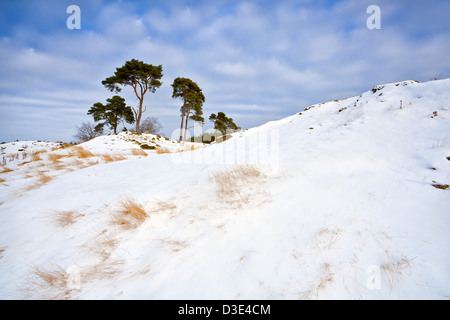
column 223, row 123
column 112, row 113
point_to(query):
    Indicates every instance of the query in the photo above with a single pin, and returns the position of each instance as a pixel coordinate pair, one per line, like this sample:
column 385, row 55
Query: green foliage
column 193, row 99
column 142, row 77
column 223, row 123
column 112, row 113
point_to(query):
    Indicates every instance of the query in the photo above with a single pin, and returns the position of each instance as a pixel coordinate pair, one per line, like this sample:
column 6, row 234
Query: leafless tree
column 87, row 131
column 151, row 125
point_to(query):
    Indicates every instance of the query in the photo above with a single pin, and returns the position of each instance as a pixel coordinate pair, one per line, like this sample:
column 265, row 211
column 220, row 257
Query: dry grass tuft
column 113, row 158
column 139, row 152
column 55, row 283
column 396, row 270
column 6, row 170
column 35, row 156
column 131, row 214
column 81, row 153
column 102, row 246
column 162, row 150
column 1, row 252
column 42, row 179
column 324, row 278
column 326, row 238
column 102, row 271
column 162, row 206
column 48, row 284
column 441, row 186
column 240, row 185
column 2, row 180
column 55, row 157
column 65, row 218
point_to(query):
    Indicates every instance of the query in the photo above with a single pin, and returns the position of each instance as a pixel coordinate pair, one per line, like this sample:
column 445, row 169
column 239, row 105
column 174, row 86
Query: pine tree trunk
column 186, row 124
column 182, row 122
column 139, row 115
column 182, row 115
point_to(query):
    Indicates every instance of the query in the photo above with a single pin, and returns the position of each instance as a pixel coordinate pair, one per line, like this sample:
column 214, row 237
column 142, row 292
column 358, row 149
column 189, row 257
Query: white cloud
column 247, row 58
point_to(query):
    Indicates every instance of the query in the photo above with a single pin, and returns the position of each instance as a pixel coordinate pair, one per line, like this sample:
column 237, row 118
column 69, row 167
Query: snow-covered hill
column 348, row 199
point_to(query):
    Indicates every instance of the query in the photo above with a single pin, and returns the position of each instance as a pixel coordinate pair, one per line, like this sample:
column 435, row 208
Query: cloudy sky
column 256, row 61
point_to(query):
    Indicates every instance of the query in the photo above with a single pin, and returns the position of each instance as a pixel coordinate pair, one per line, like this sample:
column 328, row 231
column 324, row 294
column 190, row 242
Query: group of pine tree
column 144, row 78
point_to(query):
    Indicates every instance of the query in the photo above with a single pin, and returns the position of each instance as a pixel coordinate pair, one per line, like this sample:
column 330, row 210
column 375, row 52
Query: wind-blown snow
column 334, row 202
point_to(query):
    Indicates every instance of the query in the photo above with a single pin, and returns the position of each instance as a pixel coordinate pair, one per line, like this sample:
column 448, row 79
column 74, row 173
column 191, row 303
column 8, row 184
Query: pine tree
column 193, row 99
column 112, row 113
column 142, row 77
column 223, row 123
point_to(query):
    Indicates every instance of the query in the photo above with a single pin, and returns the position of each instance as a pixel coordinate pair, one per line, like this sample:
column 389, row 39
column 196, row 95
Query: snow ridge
column 346, row 199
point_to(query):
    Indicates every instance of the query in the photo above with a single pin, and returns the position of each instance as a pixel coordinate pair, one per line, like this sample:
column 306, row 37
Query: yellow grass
column 55, row 157
column 81, row 153
column 162, row 150
column 395, row 270
column 138, row 152
column 55, row 283
column 239, row 185
column 48, row 283
column 112, row 158
column 131, row 214
column 6, row 170
column 41, row 180
column 64, row 218
column 35, row 156
column 2, row 180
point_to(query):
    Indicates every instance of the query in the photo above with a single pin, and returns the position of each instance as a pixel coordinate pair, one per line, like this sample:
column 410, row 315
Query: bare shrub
column 87, row 131
column 150, row 125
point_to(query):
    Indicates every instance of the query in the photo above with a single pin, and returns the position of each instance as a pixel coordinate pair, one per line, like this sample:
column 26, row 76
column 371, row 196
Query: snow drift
column 347, row 199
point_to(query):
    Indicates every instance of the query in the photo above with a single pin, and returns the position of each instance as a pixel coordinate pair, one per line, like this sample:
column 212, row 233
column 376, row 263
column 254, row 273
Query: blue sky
column 256, row 61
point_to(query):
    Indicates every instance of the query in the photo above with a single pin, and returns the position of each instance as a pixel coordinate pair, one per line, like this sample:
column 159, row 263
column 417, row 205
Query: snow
column 335, row 202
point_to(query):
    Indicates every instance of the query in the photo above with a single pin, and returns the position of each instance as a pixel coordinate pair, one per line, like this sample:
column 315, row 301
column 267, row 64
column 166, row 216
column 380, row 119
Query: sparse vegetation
column 240, row 185
column 139, row 152
column 396, row 270
column 81, row 153
column 64, row 218
column 147, row 147
column 87, row 131
column 441, row 186
column 131, row 214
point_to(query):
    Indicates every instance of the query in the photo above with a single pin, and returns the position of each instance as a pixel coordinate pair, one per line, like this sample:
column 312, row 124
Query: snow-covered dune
column 348, row 199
